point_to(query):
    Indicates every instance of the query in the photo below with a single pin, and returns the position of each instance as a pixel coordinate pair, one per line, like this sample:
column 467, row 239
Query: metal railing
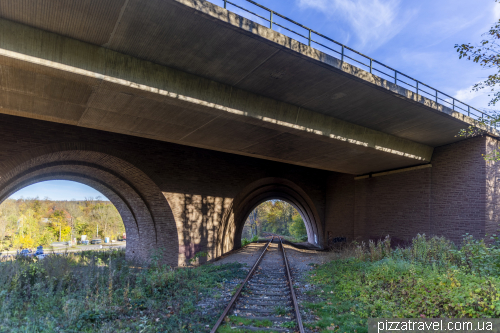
column 371, row 65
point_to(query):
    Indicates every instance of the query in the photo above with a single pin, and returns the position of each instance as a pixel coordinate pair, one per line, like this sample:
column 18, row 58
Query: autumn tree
column 487, row 54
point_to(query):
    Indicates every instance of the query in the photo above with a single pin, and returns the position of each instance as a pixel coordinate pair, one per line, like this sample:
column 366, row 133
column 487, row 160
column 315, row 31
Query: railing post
column 271, row 20
column 453, row 104
column 436, row 96
column 395, row 77
column 309, row 37
column 468, row 110
column 417, row 89
column 371, row 65
column 225, row 4
column 342, row 59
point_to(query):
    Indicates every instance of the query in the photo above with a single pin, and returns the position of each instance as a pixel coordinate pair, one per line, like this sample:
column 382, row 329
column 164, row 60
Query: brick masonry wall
column 397, row 205
column 196, row 185
column 492, row 214
column 187, row 193
column 340, row 206
column 459, row 189
column 457, row 195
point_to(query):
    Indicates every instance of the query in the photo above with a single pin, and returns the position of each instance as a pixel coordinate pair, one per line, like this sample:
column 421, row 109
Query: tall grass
column 430, row 277
column 102, row 292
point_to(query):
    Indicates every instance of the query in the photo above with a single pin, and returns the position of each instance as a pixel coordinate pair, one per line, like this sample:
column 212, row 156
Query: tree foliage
column 26, row 223
column 487, row 55
column 275, row 216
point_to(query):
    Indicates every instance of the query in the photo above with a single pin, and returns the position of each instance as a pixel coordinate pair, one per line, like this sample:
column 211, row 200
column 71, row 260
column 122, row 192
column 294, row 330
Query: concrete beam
column 50, row 77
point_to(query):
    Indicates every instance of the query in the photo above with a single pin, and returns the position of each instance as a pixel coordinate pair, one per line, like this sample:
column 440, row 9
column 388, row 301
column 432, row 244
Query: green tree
column 298, row 228
column 59, row 225
column 487, row 54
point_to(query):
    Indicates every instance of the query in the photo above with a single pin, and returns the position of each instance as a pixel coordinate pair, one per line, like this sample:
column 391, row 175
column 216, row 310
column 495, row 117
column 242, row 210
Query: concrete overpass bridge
column 187, row 116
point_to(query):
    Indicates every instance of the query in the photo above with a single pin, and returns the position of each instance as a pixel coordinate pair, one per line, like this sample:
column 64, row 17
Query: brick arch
column 146, row 214
column 259, row 192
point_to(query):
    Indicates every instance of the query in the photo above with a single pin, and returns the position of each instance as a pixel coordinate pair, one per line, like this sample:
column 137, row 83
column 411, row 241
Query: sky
column 58, row 190
column 415, row 37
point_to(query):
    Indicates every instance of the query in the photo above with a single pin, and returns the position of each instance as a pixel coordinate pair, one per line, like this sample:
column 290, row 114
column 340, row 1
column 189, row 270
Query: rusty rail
column 292, row 292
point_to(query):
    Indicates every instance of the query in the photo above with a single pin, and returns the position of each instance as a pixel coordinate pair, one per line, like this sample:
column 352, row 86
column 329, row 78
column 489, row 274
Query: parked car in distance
column 39, row 250
column 41, row 256
column 85, row 242
column 96, row 241
column 25, row 252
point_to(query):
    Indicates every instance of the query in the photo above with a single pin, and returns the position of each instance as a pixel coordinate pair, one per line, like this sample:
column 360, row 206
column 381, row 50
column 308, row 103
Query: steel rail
column 238, row 292
column 292, row 292
column 434, row 96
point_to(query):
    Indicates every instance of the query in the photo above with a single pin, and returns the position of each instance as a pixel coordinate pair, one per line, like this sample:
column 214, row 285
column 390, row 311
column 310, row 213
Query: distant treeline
column 275, row 216
column 27, row 223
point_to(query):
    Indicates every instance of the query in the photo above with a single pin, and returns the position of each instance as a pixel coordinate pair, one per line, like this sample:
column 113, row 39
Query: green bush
column 245, row 242
column 298, row 229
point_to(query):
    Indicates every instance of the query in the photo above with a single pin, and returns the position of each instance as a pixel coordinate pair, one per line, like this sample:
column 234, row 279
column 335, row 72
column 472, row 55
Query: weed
column 430, row 278
column 280, row 311
column 102, row 292
column 289, row 324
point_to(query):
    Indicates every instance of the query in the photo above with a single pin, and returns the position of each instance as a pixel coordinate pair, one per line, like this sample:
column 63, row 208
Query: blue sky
column 416, row 37
column 58, row 190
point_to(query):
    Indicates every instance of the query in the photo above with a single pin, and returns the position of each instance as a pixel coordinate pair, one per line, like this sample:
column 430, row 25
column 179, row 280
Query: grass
column 101, row 292
column 431, row 278
column 235, row 321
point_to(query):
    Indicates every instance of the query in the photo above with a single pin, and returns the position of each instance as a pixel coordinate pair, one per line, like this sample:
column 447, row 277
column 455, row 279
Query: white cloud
column 496, row 11
column 466, row 95
column 373, row 21
column 478, row 99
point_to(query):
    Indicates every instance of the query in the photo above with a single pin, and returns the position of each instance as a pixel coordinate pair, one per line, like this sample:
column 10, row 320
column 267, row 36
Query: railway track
column 266, row 300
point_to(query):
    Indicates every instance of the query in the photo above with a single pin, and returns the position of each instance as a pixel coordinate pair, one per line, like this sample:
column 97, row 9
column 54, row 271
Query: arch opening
column 59, row 213
column 260, row 191
column 145, row 212
column 278, row 217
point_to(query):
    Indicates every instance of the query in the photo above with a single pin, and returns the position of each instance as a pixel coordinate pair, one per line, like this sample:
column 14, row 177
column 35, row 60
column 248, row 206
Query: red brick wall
column 397, row 205
column 457, row 195
column 340, row 206
column 492, row 214
column 190, row 189
column 459, row 189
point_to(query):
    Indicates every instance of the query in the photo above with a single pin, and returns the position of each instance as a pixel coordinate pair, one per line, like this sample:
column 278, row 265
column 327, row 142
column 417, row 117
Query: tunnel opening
column 60, row 214
column 263, row 190
column 274, row 217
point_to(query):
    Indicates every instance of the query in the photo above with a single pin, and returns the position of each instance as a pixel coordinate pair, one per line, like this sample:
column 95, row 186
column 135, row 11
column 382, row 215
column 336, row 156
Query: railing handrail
column 436, row 94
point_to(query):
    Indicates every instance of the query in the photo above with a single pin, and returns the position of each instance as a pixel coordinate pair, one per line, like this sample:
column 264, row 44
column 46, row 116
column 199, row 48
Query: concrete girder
column 55, row 78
